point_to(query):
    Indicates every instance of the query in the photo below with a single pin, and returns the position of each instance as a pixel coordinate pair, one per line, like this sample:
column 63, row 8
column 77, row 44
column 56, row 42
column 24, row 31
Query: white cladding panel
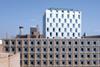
column 62, row 23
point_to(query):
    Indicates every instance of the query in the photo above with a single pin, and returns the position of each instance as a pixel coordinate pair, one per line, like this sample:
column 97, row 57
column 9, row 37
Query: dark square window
column 32, row 42
column 19, row 49
column 88, row 49
column 82, row 43
column 69, row 56
column 63, row 62
column 57, row 42
column 32, row 62
column 44, row 56
column 25, row 56
column 19, row 42
column 88, row 56
column 63, row 56
column 44, row 42
column 94, row 62
column 57, row 56
column 94, row 56
column 69, row 43
column 38, row 56
column 51, row 62
column 38, row 62
column 7, row 49
column 13, row 49
column 7, row 42
column 63, row 49
column 75, row 49
column 82, row 62
column 82, row 49
column 25, row 49
column 44, row 62
column 76, row 62
column 38, row 49
column 69, row 62
column 26, row 62
column 57, row 49
column 94, row 49
column 25, row 42
column 32, row 56
column 44, row 49
column 82, row 56
column 50, row 42
column 63, row 42
column 38, row 42
column 75, row 42
column 88, row 42
column 57, row 62
column 50, row 49
column 13, row 42
column 88, row 62
column 32, row 49
column 94, row 42
column 75, row 56
column 69, row 49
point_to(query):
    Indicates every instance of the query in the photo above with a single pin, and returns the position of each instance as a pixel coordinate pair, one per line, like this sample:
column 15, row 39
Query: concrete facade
column 8, row 59
column 42, row 52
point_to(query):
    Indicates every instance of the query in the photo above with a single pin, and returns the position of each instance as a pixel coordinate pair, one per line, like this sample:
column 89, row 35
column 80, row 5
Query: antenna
column 6, row 35
column 20, row 29
column 37, row 26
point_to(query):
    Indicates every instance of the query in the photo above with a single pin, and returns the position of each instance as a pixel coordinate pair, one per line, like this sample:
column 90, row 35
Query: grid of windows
column 59, row 52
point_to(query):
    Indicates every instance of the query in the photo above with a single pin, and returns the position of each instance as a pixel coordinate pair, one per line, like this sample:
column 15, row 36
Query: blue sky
column 30, row 13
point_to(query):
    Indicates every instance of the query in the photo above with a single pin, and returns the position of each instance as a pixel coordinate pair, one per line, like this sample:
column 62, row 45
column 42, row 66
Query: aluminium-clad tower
column 62, row 23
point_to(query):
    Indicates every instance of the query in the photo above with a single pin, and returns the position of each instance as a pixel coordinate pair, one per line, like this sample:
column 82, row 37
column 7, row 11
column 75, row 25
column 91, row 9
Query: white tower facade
column 62, row 23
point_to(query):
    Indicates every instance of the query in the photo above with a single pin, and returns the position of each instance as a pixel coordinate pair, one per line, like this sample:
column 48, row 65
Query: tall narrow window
column 70, row 29
column 50, row 15
column 79, row 25
column 76, row 30
column 56, row 34
column 76, row 21
column 50, row 24
column 59, row 20
column 65, row 29
column 47, row 29
column 62, row 15
column 47, row 19
column 59, row 29
column 70, row 20
column 62, row 34
column 68, row 25
column 78, row 16
column 57, row 15
column 56, row 24
column 73, row 34
column 50, row 34
column 73, row 25
column 73, row 16
column 53, row 19
column 62, row 24
column 68, row 16
column 53, row 29
column 64, row 20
